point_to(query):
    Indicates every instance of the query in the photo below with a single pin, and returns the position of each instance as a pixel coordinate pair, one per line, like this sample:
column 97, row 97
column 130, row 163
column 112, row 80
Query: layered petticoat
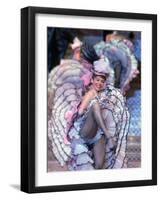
column 66, row 86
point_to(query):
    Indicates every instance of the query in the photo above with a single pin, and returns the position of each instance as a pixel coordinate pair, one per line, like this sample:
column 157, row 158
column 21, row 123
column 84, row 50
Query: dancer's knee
column 96, row 107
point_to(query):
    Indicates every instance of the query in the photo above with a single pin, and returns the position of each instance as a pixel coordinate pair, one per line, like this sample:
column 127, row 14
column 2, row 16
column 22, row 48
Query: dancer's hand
column 112, row 143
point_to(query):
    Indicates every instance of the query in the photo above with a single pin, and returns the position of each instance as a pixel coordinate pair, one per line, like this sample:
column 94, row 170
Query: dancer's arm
column 84, row 104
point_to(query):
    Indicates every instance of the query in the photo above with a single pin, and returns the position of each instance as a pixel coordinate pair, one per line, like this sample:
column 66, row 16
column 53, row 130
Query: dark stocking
column 93, row 121
column 99, row 153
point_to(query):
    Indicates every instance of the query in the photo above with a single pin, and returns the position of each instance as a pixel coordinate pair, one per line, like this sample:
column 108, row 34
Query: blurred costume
column 120, row 52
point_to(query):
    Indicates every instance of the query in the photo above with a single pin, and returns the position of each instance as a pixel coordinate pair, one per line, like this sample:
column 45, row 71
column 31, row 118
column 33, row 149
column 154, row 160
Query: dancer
column 93, row 129
column 76, row 89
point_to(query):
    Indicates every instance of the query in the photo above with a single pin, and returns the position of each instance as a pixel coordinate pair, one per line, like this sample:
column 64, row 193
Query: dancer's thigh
column 90, row 127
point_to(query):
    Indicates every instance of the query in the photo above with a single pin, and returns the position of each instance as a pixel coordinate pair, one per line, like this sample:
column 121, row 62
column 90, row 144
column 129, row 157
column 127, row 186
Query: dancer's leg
column 99, row 119
column 99, row 153
column 90, row 127
column 93, row 121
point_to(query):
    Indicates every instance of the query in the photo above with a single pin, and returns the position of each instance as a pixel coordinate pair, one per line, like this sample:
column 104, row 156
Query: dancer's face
column 99, row 83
